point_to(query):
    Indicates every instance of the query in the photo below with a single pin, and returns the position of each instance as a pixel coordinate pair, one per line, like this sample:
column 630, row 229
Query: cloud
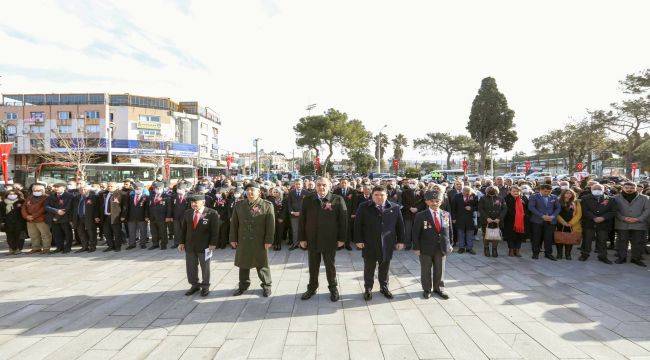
column 51, row 74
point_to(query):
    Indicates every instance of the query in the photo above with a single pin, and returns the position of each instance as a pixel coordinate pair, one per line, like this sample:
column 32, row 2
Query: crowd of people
column 555, row 216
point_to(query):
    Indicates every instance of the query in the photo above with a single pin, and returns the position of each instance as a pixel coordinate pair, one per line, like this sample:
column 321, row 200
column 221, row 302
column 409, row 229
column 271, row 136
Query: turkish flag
column 5, row 148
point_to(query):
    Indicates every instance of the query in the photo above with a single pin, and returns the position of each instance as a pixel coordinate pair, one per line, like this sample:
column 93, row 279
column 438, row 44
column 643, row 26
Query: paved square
column 130, row 305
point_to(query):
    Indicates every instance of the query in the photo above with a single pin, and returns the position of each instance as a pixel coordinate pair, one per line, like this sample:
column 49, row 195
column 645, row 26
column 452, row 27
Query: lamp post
column 379, row 148
column 257, row 157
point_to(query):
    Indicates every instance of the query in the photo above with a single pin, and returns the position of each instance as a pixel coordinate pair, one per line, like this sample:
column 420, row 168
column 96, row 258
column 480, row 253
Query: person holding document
column 199, row 232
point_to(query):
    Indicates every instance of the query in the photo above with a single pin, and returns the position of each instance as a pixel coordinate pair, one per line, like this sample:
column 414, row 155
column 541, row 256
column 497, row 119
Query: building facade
column 147, row 128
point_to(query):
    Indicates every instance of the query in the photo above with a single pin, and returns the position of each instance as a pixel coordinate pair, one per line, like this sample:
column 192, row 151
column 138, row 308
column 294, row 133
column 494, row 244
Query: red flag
column 5, row 149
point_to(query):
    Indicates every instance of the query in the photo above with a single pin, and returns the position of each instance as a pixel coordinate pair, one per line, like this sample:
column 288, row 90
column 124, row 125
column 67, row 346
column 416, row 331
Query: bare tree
column 68, row 148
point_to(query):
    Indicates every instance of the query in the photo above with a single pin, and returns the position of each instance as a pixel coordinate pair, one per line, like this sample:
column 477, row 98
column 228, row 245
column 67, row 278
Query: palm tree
column 399, row 143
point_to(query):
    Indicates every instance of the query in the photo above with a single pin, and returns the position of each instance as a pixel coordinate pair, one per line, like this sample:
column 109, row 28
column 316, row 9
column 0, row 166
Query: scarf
column 9, row 205
column 519, row 215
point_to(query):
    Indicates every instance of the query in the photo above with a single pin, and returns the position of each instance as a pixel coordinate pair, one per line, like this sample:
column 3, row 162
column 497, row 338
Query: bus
column 55, row 172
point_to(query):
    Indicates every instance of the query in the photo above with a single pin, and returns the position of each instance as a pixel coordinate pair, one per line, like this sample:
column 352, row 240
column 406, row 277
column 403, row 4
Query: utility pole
column 257, row 157
column 492, row 162
column 379, row 148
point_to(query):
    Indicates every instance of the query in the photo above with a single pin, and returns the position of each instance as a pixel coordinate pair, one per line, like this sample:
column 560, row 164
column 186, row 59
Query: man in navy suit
column 544, row 208
column 378, row 229
column 431, row 242
column 199, row 231
column 294, row 205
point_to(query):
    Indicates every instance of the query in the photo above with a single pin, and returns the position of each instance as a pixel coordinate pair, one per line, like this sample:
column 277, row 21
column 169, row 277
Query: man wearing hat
column 58, row 208
column 158, row 211
column 252, row 230
column 178, row 205
column 135, row 215
column 431, row 242
column 199, row 231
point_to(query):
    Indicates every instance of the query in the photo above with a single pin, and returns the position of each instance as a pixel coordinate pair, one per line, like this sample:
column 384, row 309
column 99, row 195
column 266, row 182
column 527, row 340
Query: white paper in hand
column 208, row 254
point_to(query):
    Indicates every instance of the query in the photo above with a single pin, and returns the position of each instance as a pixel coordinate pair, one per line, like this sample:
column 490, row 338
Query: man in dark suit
column 411, row 204
column 322, row 229
column 158, row 211
column 136, row 212
column 378, row 229
column 58, row 207
column 348, row 194
column 598, row 214
column 294, row 205
column 85, row 217
column 544, row 208
column 431, row 242
column 178, row 205
column 199, row 231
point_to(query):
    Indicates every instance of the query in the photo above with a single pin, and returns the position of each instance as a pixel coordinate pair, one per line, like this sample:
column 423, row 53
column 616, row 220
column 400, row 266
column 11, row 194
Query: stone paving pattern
column 130, row 305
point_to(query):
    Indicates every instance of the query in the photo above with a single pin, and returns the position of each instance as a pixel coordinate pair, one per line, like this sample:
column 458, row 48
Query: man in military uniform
column 431, row 242
column 252, row 230
column 158, row 211
column 200, row 231
column 322, row 229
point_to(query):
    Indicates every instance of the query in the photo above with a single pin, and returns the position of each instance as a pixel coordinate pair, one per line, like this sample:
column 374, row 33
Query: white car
column 559, row 177
column 538, row 175
column 514, row 176
column 473, row 177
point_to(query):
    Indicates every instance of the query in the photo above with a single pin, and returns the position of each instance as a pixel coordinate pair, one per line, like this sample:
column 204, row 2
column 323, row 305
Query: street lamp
column 379, row 148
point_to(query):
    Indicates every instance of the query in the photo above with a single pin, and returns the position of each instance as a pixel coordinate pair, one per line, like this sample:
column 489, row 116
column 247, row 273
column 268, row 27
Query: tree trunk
column 449, row 160
column 481, row 163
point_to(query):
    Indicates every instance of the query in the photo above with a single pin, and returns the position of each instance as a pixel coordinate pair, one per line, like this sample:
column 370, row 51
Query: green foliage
column 630, row 118
column 363, row 162
column 411, row 173
column 446, row 144
column 490, row 121
column 399, row 143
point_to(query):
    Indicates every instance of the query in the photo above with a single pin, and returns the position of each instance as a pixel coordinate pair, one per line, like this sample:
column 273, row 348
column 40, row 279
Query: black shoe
column 143, row 246
column 535, row 256
column 486, row 251
column 205, row 292
column 66, row 251
column 130, row 247
column 567, row 256
column 367, row 295
column 348, row 247
column 621, row 261
column 163, row 247
column 471, row 251
column 461, row 250
column 386, row 293
column 80, row 251
column 153, row 247
column 192, row 290
column 119, row 248
column 638, row 263
column 293, row 247
column 334, row 295
column 584, row 257
column 107, row 249
column 442, row 294
column 308, row 294
column 605, row 260
column 550, row 257
column 494, row 251
column 92, row 250
column 266, row 292
column 238, row 292
column 426, row 294
column 559, row 255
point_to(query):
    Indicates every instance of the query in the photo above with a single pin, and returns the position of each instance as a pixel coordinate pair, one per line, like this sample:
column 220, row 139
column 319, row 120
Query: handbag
column 493, row 234
column 567, row 238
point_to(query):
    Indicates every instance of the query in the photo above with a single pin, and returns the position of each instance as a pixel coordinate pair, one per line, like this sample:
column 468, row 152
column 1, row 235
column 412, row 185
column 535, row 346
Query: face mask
column 597, row 192
column 71, row 187
column 158, row 191
column 37, row 193
column 237, row 196
column 12, row 196
column 564, row 187
column 411, row 186
column 181, row 192
column 138, row 191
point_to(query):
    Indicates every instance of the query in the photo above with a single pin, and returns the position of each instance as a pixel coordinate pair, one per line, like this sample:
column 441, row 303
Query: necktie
column 135, row 200
column 436, row 221
column 197, row 216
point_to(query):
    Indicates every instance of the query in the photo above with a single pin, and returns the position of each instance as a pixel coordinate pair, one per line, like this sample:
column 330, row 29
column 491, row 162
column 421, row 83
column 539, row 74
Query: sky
column 414, row 66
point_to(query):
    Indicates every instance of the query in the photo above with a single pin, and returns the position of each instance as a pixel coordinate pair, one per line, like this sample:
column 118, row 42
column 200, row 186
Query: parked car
column 559, row 177
column 538, row 175
column 514, row 176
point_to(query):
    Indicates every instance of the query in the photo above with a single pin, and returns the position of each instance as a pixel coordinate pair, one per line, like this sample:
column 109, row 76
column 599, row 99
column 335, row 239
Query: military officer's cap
column 432, row 195
column 197, row 197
